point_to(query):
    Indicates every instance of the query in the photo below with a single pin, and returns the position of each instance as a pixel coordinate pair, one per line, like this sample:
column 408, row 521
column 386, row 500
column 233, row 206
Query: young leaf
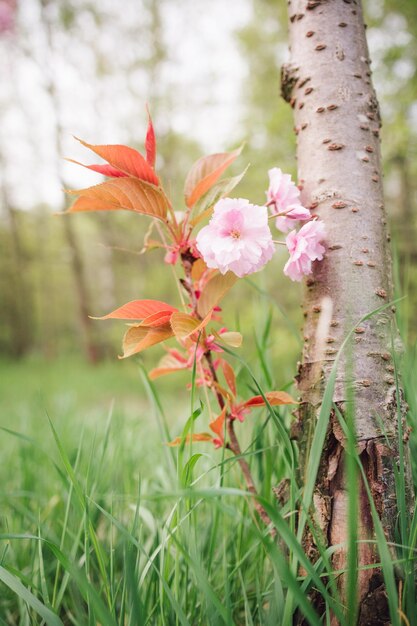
column 195, row 437
column 185, row 325
column 221, row 189
column 150, row 142
column 198, row 269
column 138, row 337
column 148, row 242
column 157, row 319
column 138, row 310
column 223, row 392
column 125, row 159
column 217, row 425
column 151, row 244
column 205, row 172
column 126, row 193
column 214, row 291
column 274, row 398
column 229, row 376
column 231, row 338
column 106, row 170
column 167, row 365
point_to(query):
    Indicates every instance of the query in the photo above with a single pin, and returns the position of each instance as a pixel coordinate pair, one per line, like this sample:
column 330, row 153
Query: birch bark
column 337, row 123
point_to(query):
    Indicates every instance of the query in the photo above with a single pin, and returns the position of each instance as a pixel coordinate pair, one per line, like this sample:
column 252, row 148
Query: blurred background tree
column 86, row 68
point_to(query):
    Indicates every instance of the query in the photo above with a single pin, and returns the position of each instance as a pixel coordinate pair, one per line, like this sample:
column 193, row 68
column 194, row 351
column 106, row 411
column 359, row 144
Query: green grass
column 91, row 505
column 102, row 524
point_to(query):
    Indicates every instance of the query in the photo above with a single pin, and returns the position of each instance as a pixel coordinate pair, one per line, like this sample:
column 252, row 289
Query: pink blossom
column 239, row 412
column 282, row 192
column 237, row 237
column 294, row 213
column 304, row 248
column 171, row 256
column 284, row 197
column 210, row 344
column 7, row 15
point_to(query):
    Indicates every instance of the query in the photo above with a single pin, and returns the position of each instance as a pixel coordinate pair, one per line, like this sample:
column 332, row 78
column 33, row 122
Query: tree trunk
column 22, row 318
column 93, row 349
column 21, row 301
column 337, row 122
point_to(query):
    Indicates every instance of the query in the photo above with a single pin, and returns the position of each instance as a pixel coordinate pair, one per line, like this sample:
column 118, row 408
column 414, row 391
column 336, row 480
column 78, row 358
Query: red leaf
column 157, row 372
column 139, row 310
column 157, row 319
column 195, row 437
column 106, row 170
column 217, row 425
column 150, row 142
column 171, row 362
column 274, row 398
column 125, row 159
column 127, row 193
column 205, row 172
column 229, row 376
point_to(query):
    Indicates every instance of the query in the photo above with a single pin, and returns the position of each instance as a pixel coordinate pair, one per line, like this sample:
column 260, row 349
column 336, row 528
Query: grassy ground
column 90, row 505
column 102, row 524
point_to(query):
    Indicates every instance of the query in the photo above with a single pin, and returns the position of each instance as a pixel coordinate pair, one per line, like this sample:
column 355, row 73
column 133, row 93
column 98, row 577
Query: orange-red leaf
column 150, row 142
column 125, row 193
column 167, row 365
column 157, row 319
column 204, row 207
column 125, row 159
column 205, row 172
column 106, row 170
column 229, row 376
column 138, row 337
column 214, row 291
column 195, row 437
column 217, row 425
column 223, row 392
column 274, row 398
column 138, row 310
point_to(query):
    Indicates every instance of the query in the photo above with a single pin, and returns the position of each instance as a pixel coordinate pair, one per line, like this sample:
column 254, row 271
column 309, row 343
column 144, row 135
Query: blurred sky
column 100, row 56
column 100, row 67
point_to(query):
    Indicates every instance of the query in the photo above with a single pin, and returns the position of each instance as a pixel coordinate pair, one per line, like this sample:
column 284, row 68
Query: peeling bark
column 337, row 123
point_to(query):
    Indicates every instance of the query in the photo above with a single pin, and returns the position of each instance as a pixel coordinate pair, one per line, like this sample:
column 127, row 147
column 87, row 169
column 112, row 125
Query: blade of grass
column 20, row 590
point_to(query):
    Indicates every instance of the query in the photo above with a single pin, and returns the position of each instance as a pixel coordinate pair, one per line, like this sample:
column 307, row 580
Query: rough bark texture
column 337, row 122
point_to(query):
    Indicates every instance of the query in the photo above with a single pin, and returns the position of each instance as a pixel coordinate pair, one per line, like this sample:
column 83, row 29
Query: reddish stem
column 187, row 260
column 234, row 447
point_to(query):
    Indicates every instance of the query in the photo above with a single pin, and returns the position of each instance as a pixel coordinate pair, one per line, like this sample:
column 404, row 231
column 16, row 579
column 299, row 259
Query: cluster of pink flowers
column 304, row 247
column 283, row 196
column 238, row 237
column 7, row 15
